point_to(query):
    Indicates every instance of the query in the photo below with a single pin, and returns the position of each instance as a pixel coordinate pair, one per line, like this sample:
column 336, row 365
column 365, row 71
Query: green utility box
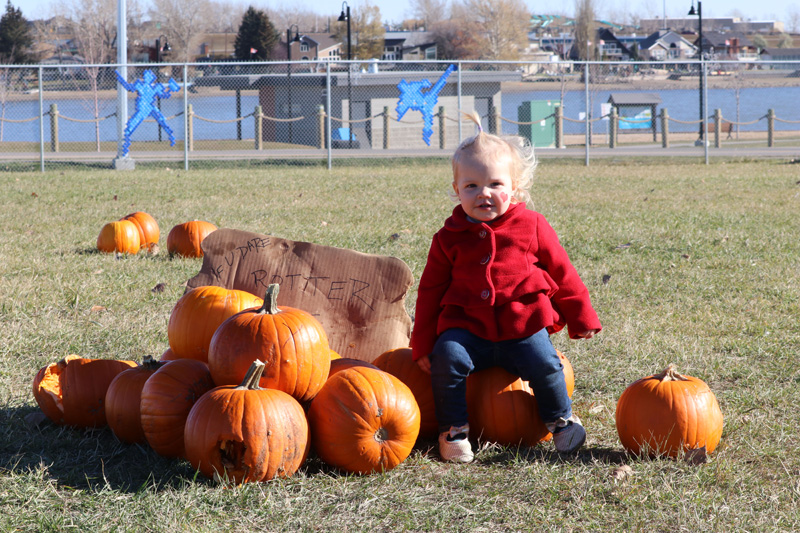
column 542, row 133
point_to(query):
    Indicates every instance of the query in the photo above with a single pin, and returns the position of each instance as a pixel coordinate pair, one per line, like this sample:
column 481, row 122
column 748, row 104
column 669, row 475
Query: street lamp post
column 289, row 41
column 160, row 49
column 345, row 16
column 702, row 73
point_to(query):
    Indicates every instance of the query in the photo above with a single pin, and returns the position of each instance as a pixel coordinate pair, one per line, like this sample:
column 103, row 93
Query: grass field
column 688, row 264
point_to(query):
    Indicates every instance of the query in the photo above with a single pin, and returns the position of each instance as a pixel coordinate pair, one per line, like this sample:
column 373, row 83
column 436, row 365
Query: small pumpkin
column 291, row 343
column 119, row 236
column 198, row 314
column 72, row 391
column 123, row 398
column 167, row 397
column 503, row 409
column 149, row 233
column 185, row 239
column 399, row 363
column 168, row 355
column 245, row 433
column 668, row 414
column 364, row 420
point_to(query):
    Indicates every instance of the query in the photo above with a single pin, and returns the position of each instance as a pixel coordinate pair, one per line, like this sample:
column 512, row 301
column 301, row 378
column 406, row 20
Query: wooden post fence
column 664, row 128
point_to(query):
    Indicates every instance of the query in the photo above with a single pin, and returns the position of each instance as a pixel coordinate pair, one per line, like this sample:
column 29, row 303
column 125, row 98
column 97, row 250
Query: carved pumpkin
column 184, row 239
column 291, row 343
column 73, row 391
column 399, row 363
column 245, row 433
column 149, row 233
column 123, row 397
column 503, row 409
column 119, row 236
column 198, row 314
column 668, row 414
column 364, row 420
column 167, row 397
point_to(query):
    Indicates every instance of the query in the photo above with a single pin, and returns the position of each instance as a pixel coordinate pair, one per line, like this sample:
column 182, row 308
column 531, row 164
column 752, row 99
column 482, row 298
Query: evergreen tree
column 255, row 33
column 16, row 40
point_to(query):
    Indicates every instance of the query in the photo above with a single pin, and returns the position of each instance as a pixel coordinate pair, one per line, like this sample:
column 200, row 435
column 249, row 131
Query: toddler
column 496, row 284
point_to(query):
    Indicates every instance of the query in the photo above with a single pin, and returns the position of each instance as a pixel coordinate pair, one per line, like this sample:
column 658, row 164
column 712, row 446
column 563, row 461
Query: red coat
column 504, row 280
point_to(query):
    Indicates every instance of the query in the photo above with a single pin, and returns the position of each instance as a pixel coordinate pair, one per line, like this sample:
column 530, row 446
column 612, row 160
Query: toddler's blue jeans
column 458, row 353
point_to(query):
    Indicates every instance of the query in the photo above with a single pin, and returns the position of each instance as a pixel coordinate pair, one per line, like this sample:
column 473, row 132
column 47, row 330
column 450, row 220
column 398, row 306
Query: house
column 408, row 46
column 313, row 47
column 782, row 54
column 610, row 48
column 665, row 45
column 729, row 46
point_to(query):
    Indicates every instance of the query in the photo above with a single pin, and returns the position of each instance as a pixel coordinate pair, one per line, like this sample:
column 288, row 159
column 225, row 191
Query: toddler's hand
column 587, row 334
column 425, row 364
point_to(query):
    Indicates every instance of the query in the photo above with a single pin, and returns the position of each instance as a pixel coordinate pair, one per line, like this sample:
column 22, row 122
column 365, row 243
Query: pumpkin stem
column 671, row 374
column 270, row 306
column 149, row 362
column 253, row 376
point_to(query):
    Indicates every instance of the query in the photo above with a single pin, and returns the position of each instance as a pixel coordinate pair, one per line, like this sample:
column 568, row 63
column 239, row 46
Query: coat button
column 482, row 234
column 486, row 259
column 485, row 294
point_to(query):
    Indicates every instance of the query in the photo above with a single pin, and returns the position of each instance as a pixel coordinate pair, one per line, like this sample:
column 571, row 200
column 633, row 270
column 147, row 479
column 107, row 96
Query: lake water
column 682, row 104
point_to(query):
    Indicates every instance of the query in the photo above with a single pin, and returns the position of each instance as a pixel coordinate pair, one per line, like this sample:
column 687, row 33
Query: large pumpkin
column 291, row 343
column 342, row 363
column 119, row 236
column 503, row 409
column 198, row 314
column 399, row 363
column 364, row 420
column 123, row 397
column 73, row 390
column 149, row 233
column 668, row 414
column 184, row 239
column 167, row 397
column 245, row 433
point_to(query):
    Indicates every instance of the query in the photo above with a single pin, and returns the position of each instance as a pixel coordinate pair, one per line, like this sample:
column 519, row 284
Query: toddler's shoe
column 454, row 445
column 570, row 437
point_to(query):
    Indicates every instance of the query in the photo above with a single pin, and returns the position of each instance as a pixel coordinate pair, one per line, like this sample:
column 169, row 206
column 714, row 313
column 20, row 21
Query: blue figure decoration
column 148, row 90
column 412, row 97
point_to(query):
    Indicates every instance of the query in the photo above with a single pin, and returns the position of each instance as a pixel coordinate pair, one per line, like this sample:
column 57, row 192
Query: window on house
column 304, row 47
column 430, row 53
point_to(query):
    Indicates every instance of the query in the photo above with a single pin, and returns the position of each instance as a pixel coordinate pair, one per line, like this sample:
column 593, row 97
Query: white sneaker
column 454, row 445
column 570, row 437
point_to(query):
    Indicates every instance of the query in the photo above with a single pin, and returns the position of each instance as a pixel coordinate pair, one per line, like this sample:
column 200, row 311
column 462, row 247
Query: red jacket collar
column 458, row 221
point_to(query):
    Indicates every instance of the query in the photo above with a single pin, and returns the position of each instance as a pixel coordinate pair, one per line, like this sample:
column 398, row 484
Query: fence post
column 559, row 127
column 664, row 128
column 770, row 127
column 259, row 129
column 190, row 127
column 441, row 127
column 53, row 128
column 613, row 124
column 717, row 126
column 321, row 115
column 386, row 127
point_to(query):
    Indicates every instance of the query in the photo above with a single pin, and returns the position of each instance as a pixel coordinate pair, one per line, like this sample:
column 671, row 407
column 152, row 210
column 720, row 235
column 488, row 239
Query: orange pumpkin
column 503, row 409
column 167, row 397
column 364, row 420
column 149, row 233
column 342, row 363
column 168, row 355
column 119, row 236
column 668, row 414
column 292, row 344
column 335, row 355
column 198, row 314
column 399, row 363
column 123, row 397
column 73, row 391
column 185, row 239
column 245, row 433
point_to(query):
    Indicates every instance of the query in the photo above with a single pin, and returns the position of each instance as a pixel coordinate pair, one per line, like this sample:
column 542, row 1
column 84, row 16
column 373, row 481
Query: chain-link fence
column 322, row 113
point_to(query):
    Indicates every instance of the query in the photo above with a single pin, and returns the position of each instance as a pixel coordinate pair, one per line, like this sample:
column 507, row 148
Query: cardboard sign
column 359, row 298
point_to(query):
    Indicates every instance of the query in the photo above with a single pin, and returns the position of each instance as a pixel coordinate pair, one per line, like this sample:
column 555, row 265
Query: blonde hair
column 519, row 149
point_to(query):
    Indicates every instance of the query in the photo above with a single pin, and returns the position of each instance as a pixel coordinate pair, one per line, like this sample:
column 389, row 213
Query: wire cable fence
column 199, row 114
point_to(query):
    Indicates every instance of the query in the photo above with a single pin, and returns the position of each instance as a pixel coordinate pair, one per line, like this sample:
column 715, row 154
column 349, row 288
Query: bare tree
column 429, row 11
column 366, row 29
column 793, row 18
column 183, row 22
column 585, row 38
column 456, row 39
column 503, row 26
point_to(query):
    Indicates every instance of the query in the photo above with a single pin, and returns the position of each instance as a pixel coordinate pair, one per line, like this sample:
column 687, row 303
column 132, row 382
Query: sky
column 397, row 10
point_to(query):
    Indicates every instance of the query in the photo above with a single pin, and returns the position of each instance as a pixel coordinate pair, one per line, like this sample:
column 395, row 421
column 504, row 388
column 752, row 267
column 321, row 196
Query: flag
column 253, row 50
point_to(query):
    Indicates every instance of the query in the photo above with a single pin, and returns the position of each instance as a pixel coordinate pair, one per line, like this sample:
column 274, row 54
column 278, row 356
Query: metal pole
column 328, row 104
column 158, row 66
column 702, row 71
column 41, row 120
column 349, row 85
column 458, row 114
column 705, row 105
column 588, row 113
column 185, row 118
column 122, row 161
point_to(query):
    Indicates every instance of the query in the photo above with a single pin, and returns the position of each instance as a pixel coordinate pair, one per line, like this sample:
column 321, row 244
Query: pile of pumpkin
column 139, row 231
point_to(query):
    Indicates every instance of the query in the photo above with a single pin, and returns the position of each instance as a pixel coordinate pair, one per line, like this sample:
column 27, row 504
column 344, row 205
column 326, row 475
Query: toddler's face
column 484, row 187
